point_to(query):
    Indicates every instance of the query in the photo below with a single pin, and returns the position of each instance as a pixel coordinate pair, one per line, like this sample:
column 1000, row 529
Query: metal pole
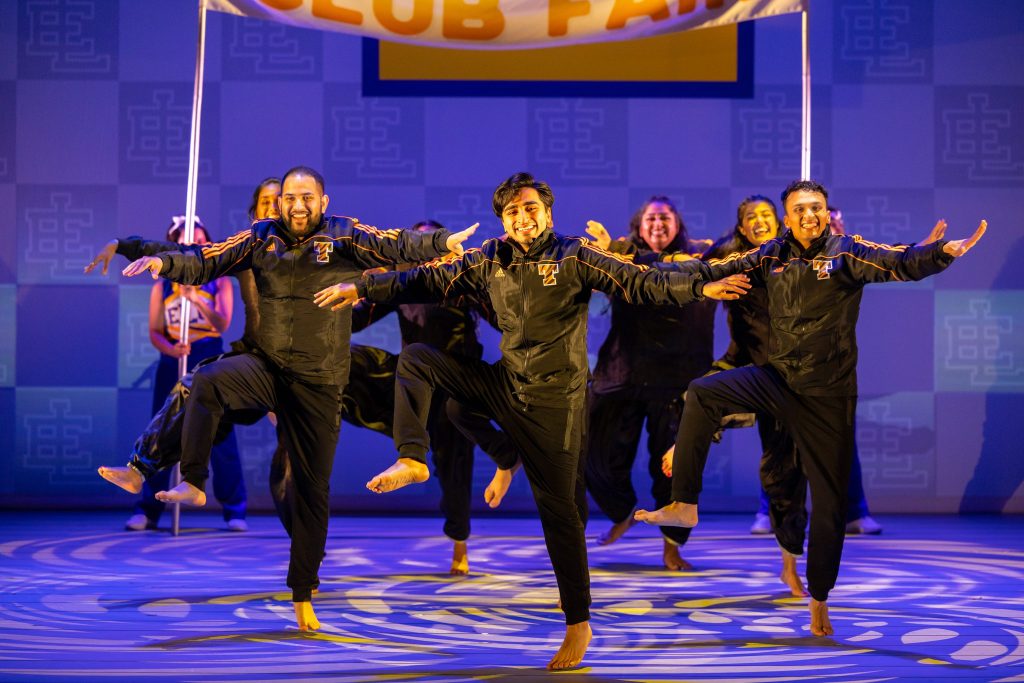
column 190, row 215
column 805, row 123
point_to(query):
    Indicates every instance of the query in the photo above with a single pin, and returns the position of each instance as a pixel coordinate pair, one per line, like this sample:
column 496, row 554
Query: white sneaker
column 237, row 525
column 139, row 523
column 762, row 524
column 864, row 525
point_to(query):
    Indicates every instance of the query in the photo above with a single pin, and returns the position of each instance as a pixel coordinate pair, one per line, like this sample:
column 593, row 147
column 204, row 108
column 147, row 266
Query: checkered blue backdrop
column 918, row 111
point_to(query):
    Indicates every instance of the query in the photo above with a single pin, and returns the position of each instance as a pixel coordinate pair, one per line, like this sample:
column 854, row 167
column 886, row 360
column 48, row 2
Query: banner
column 506, row 24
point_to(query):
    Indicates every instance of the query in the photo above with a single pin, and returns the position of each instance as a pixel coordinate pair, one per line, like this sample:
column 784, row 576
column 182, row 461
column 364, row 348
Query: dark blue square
column 68, row 39
column 8, row 485
column 882, row 42
column 155, row 130
column 67, row 336
column 261, row 50
column 578, row 141
column 766, row 137
column 372, row 141
column 60, row 229
column 8, row 132
column 8, row 334
column 978, row 140
column 895, row 339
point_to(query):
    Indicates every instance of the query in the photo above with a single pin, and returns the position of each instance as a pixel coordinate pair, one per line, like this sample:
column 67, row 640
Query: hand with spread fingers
column 455, row 241
column 151, row 263
column 958, row 248
column 937, row 233
column 728, row 288
column 105, row 256
column 600, row 234
column 341, row 295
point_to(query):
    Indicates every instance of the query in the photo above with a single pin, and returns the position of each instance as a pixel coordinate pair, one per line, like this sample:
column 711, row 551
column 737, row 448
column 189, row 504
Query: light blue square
column 978, row 345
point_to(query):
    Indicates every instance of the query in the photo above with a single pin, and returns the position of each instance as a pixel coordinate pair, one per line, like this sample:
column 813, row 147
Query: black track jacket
column 814, row 300
column 540, row 299
column 307, row 342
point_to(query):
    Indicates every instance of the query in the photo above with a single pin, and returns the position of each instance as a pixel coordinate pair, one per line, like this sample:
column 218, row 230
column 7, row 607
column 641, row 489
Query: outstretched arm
column 872, row 262
column 132, row 248
column 372, row 247
column 198, row 265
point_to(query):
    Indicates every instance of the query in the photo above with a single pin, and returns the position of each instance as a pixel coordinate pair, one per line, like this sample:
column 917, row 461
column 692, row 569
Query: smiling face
column 806, row 215
column 658, row 226
column 525, row 217
column 266, row 201
column 758, row 224
column 302, row 204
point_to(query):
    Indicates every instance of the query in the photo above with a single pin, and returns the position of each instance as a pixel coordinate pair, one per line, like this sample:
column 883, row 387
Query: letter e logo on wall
column 548, row 272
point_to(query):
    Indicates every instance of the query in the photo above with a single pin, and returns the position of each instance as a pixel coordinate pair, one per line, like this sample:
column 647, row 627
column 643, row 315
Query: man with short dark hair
column 300, row 361
column 539, row 285
column 814, row 281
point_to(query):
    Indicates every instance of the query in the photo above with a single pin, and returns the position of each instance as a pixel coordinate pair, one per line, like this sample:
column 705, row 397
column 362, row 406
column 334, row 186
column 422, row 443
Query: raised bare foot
column 305, row 617
column 820, row 624
column 496, row 490
column 124, row 477
column 671, row 558
column 617, row 530
column 673, row 514
column 405, row 471
column 460, row 559
column 574, row 646
column 790, row 577
column 183, row 493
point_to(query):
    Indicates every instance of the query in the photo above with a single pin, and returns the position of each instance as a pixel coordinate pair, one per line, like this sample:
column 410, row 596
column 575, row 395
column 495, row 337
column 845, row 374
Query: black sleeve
column 372, row 247
column 134, row 247
column 617, row 276
column 199, row 265
column 440, row 280
column 872, row 262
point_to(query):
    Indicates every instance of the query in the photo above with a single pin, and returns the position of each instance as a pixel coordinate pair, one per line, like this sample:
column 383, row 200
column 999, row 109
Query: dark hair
column 428, row 224
column 734, row 240
column 266, row 182
column 178, row 224
column 306, row 171
column 680, row 242
column 508, row 190
column 803, row 186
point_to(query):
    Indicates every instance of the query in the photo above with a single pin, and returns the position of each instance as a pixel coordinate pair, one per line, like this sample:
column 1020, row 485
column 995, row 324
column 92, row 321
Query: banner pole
column 805, row 122
column 190, row 217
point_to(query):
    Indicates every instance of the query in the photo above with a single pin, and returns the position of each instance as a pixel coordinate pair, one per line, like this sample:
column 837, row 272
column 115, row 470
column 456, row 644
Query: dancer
column 814, row 282
column 539, row 285
column 643, row 367
column 211, row 316
column 300, row 363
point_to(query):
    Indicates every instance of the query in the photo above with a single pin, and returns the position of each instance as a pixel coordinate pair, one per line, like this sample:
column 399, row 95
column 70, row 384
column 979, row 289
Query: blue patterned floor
column 934, row 598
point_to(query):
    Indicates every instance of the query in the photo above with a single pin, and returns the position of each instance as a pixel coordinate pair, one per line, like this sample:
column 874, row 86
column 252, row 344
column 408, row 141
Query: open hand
column 151, row 263
column 341, row 295
column 958, row 248
column 728, row 288
column 455, row 241
column 600, row 234
column 937, row 233
column 105, row 256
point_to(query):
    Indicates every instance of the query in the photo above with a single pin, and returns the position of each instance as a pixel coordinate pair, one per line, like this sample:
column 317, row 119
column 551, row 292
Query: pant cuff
column 413, row 452
column 685, row 497
column 577, row 616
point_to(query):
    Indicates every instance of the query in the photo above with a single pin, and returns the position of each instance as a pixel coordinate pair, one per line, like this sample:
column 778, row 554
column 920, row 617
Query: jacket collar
column 815, row 247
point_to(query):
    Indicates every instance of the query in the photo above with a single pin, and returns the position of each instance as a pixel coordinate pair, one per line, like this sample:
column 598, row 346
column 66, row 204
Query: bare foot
column 790, row 577
column 125, row 477
column 183, row 493
column 460, row 559
column 577, row 638
column 617, row 530
column 671, row 558
column 405, row 471
column 673, row 514
column 496, row 490
column 820, row 624
column 305, row 617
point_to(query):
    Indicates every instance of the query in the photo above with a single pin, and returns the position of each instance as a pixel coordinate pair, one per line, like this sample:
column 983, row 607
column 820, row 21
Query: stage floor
column 933, row 598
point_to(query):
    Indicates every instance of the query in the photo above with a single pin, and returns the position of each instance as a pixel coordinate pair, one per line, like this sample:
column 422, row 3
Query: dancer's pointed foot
column 460, row 559
column 790, row 577
column 673, row 514
column 183, row 493
column 500, row 483
column 405, row 471
column 569, row 656
column 305, row 617
column 671, row 558
column 124, row 477
column 617, row 530
column 820, row 624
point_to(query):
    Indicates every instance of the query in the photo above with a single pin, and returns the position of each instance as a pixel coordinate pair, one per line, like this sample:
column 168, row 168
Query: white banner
column 506, row 24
